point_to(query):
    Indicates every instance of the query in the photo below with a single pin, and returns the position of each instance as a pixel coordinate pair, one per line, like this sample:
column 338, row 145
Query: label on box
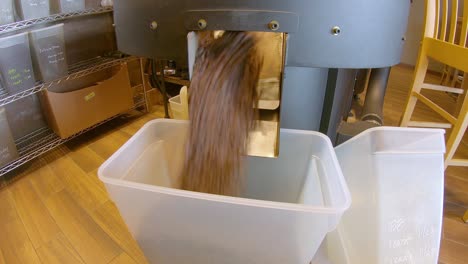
column 35, row 3
column 5, row 153
column 90, row 96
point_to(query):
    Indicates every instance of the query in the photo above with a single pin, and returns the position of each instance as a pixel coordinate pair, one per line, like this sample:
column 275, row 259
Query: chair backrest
column 443, row 22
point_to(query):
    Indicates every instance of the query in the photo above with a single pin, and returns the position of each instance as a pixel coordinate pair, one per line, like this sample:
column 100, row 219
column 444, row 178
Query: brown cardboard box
column 72, row 112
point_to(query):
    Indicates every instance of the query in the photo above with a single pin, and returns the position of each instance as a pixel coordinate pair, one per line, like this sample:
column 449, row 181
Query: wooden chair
column 439, row 44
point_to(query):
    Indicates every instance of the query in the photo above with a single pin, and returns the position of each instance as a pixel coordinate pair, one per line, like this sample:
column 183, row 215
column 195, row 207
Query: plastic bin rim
column 228, row 199
column 388, row 128
column 24, row 34
column 174, row 98
column 47, row 28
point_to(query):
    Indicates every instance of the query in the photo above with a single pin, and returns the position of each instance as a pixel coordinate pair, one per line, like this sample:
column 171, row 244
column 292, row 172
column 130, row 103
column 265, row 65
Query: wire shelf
column 52, row 18
column 44, row 140
column 76, row 71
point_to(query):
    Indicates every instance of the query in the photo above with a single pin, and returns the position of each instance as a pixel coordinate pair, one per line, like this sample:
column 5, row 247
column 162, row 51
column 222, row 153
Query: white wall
column 415, row 31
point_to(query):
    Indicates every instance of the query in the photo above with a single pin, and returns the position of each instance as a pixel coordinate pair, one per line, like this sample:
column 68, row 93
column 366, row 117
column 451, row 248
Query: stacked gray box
column 7, row 14
column 30, row 9
column 15, row 63
column 24, row 115
column 67, row 6
column 8, row 151
column 48, row 53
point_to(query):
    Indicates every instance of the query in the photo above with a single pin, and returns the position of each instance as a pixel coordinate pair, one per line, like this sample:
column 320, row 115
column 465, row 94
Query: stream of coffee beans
column 222, row 99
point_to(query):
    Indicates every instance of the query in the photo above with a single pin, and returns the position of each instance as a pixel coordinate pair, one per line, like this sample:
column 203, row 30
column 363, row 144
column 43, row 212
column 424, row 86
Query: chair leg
column 465, row 217
column 419, row 75
column 461, row 97
column 444, row 75
column 453, row 83
column 450, row 74
column 458, row 131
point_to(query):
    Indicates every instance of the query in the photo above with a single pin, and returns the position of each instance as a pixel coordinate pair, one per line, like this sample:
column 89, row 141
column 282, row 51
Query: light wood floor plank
column 106, row 146
column 453, row 253
column 45, row 182
column 2, row 259
column 456, row 190
column 108, row 218
column 39, row 225
column 123, row 259
column 88, row 191
column 456, row 230
column 89, row 240
column 14, row 242
column 86, row 159
column 132, row 127
column 59, row 251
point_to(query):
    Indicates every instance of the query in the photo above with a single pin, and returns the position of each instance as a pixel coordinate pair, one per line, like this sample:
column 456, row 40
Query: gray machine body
column 346, row 34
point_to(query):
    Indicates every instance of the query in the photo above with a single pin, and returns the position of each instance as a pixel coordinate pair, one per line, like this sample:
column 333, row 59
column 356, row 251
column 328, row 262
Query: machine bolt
column 202, row 23
column 273, row 25
column 154, row 25
column 336, row 30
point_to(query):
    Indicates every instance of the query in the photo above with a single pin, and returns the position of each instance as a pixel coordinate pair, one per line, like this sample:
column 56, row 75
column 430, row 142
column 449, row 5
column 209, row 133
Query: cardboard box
column 8, row 151
column 71, row 112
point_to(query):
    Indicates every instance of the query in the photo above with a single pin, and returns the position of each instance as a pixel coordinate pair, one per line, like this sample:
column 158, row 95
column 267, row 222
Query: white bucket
column 179, row 105
column 290, row 203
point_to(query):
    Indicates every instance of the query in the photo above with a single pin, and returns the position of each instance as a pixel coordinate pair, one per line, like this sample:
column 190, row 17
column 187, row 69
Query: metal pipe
column 373, row 105
column 361, row 81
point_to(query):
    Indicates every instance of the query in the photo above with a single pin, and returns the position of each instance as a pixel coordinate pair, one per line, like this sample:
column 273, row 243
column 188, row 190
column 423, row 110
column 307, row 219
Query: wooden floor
column 55, row 210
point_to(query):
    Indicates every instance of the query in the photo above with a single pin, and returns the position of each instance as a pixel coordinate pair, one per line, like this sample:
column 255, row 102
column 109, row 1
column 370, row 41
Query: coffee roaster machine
column 326, row 43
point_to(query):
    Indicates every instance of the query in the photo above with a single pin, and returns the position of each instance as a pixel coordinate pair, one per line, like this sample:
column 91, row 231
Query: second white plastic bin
column 290, row 203
column 396, row 179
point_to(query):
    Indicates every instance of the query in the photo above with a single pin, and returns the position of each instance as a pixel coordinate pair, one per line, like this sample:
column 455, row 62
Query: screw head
column 273, row 25
column 202, row 23
column 336, row 30
column 153, row 25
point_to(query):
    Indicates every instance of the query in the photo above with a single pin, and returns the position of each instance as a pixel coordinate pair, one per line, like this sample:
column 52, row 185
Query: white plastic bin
column 48, row 53
column 290, row 203
column 31, row 9
column 396, row 179
column 7, row 14
column 179, row 105
column 15, row 63
column 67, row 6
